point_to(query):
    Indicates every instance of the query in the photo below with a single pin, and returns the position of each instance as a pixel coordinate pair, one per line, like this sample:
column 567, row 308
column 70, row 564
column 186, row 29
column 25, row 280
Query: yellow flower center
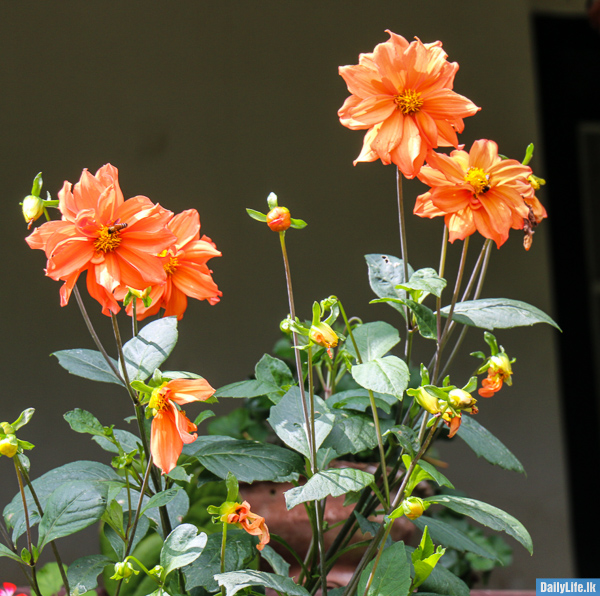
column 409, row 102
column 478, row 179
column 158, row 401
column 108, row 239
column 171, row 266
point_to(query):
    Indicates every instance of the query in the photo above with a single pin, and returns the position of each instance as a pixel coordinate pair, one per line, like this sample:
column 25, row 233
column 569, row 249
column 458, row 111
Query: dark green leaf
column 150, row 348
column 486, row 445
column 441, row 581
column 84, row 422
column 287, row 420
column 333, row 482
column 234, row 581
column 407, row 438
column 239, row 552
column 279, row 565
column 245, row 389
column 385, row 273
column 392, row 576
column 247, row 460
column 358, row 400
column 426, row 280
column 71, row 507
column 88, row 364
column 498, row 313
column 487, row 515
column 127, row 440
column 162, row 498
column 83, row 573
column 450, row 536
column 6, row 552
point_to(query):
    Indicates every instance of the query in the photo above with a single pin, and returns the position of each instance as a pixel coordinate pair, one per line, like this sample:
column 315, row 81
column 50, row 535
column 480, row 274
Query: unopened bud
column 124, row 571
column 414, row 507
column 279, row 219
column 323, row 335
column 460, row 399
column 33, row 208
column 427, row 401
column 9, row 446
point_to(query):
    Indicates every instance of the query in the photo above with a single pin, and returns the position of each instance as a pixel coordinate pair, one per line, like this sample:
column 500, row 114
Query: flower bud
column 413, row 507
column 461, row 400
column 33, row 208
column 279, row 219
column 8, row 446
column 427, row 401
column 124, row 571
column 323, row 335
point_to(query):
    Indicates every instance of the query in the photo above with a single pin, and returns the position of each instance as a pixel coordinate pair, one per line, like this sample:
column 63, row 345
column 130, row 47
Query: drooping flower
column 499, row 372
column 323, row 335
column 187, row 273
column 239, row 514
column 476, row 191
column 114, row 240
column 171, row 428
column 402, row 93
column 9, row 589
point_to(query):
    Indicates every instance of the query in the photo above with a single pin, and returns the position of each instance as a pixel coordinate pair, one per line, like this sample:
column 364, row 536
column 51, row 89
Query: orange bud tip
column 279, row 219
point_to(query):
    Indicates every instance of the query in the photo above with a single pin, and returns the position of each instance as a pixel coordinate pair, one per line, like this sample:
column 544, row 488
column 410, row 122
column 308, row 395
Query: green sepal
column 257, row 215
column 24, row 418
column 424, row 559
column 233, row 488
column 25, row 556
column 471, row 385
column 36, row 188
column 316, row 313
column 297, row 224
column 141, row 386
column 528, row 154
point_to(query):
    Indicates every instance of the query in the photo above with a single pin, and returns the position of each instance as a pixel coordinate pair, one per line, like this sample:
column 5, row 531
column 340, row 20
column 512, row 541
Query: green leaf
column 93, row 472
column 83, row 573
column 6, row 552
column 334, row 482
column 407, row 438
column 385, row 273
column 287, row 420
column 257, row 215
column 24, row 417
column 450, row 536
column 36, row 188
column 177, row 509
column 385, row 375
column 373, row 340
column 127, row 440
column 162, row 498
column 435, row 474
column 239, row 552
column 50, row 579
column 182, row 546
column 498, row 313
column 358, row 400
column 392, row 576
column 279, row 565
column 486, row 445
column 426, row 280
column 441, row 581
column 297, row 224
column 487, row 515
column 353, row 433
column 247, row 460
column 88, row 364
column 71, row 507
column 150, row 348
column 234, row 581
column 244, row 389
column 274, row 372
column 82, row 421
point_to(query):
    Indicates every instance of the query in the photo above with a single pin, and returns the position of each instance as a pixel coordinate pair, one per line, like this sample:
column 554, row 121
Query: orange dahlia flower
column 171, row 428
column 241, row 516
column 402, row 93
column 476, row 191
column 115, row 241
column 187, row 274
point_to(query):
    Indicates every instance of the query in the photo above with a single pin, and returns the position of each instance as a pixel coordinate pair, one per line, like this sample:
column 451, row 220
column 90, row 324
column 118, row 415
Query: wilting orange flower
column 476, row 191
column 115, row 241
column 170, row 426
column 185, row 266
column 253, row 523
column 402, row 93
column 499, row 372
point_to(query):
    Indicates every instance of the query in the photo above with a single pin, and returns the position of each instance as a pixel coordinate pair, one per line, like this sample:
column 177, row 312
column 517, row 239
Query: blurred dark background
column 213, row 106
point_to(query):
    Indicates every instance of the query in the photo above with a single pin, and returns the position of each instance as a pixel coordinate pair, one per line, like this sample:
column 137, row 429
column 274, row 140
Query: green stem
column 134, row 323
column 403, row 245
column 288, row 278
column 373, row 409
column 223, row 546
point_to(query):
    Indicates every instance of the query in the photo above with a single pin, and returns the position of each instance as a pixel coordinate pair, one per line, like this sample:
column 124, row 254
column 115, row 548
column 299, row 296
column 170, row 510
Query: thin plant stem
column 134, row 323
column 290, row 292
column 94, row 335
column 27, row 526
column 117, row 332
column 138, row 511
column 223, row 546
column 403, row 245
column 373, row 410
